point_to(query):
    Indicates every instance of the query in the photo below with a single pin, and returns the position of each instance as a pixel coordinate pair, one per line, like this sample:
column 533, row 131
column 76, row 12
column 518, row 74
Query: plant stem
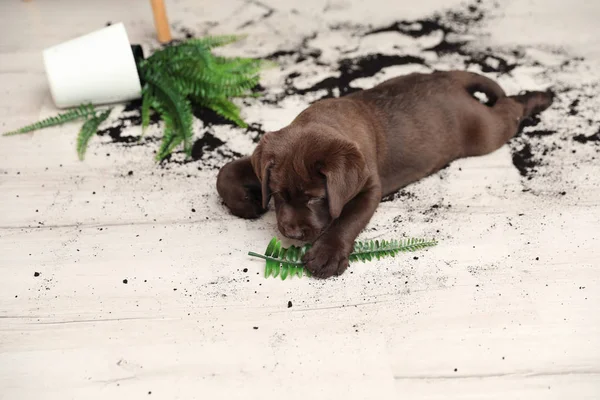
column 297, row 263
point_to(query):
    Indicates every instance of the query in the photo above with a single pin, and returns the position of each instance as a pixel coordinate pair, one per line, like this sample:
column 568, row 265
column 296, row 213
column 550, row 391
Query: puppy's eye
column 315, row 200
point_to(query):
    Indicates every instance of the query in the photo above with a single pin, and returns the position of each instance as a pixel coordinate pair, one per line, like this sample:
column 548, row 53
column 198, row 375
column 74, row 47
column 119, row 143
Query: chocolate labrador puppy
column 328, row 170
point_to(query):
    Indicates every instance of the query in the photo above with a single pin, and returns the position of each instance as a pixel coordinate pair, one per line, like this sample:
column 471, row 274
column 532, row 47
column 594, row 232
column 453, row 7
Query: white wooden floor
column 112, row 287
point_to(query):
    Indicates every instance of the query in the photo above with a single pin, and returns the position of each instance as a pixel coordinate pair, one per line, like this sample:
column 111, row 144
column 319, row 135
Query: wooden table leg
column 160, row 21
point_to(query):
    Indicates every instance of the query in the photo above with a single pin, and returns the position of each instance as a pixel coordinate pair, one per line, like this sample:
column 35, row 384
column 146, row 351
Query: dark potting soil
column 402, row 194
column 523, row 159
column 131, row 116
column 530, row 148
column 585, row 139
column 207, row 143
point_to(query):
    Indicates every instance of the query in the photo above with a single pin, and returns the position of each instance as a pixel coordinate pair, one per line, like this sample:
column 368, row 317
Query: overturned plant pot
column 103, row 67
column 97, row 68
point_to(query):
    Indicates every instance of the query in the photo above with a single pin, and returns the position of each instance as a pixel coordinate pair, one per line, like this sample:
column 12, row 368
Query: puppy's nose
column 293, row 232
column 298, row 235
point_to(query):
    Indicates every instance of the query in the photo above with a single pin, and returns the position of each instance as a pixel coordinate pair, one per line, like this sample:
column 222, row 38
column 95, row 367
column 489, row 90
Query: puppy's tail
column 478, row 83
column 533, row 102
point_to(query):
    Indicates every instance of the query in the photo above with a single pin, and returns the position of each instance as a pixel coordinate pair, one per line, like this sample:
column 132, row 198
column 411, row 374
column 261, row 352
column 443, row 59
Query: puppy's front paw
column 327, row 257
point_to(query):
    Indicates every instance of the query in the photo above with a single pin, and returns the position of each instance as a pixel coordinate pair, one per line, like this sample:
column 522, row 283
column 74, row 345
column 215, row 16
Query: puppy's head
column 311, row 175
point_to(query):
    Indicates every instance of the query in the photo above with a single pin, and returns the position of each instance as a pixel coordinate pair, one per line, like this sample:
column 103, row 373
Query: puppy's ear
column 262, row 169
column 345, row 170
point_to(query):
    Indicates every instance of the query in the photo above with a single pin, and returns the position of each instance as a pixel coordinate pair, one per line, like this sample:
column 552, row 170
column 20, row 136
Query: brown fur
column 328, row 170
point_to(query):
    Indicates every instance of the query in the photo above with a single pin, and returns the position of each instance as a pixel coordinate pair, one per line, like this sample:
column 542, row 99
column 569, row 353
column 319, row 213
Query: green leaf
column 89, row 129
column 197, row 71
column 170, row 139
column 282, row 253
column 176, row 111
column 83, row 111
column 276, row 264
column 187, row 73
column 288, row 262
column 284, row 271
column 277, row 249
column 271, row 247
column 147, row 100
column 292, row 257
column 226, row 109
column 269, row 252
column 169, row 142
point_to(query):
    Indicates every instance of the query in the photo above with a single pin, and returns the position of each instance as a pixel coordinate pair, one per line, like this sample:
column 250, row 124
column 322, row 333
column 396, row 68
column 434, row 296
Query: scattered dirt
column 535, row 150
column 402, row 194
column 585, row 139
column 523, row 160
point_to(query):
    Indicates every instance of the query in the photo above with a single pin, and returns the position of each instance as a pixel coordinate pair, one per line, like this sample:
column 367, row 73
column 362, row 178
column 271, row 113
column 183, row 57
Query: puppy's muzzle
column 292, row 232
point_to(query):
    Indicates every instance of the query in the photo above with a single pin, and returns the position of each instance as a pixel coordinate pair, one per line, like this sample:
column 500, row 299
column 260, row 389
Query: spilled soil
column 531, row 149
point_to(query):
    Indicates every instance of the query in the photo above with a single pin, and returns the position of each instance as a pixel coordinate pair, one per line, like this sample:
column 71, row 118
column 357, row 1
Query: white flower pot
column 96, row 68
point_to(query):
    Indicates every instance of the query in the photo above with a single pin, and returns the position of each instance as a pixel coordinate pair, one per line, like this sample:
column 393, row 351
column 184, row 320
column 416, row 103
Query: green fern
column 288, row 261
column 147, row 99
column 226, row 109
column 175, row 78
column 175, row 106
column 206, row 83
column 170, row 139
column 88, row 130
column 83, row 111
column 188, row 73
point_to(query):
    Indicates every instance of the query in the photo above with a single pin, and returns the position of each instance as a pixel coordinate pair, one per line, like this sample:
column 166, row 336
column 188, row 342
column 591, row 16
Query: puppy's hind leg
column 499, row 123
column 473, row 83
column 532, row 102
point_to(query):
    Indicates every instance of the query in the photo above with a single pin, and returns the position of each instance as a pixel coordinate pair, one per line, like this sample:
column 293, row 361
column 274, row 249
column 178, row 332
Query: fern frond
column 212, row 82
column 169, row 142
column 188, row 73
column 147, row 99
column 192, row 49
column 366, row 251
column 210, row 90
column 175, row 55
column 83, row 111
column 288, row 261
column 240, row 65
column 226, row 109
column 198, row 65
column 211, row 78
column 177, row 108
column 170, row 139
column 89, row 129
column 281, row 261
